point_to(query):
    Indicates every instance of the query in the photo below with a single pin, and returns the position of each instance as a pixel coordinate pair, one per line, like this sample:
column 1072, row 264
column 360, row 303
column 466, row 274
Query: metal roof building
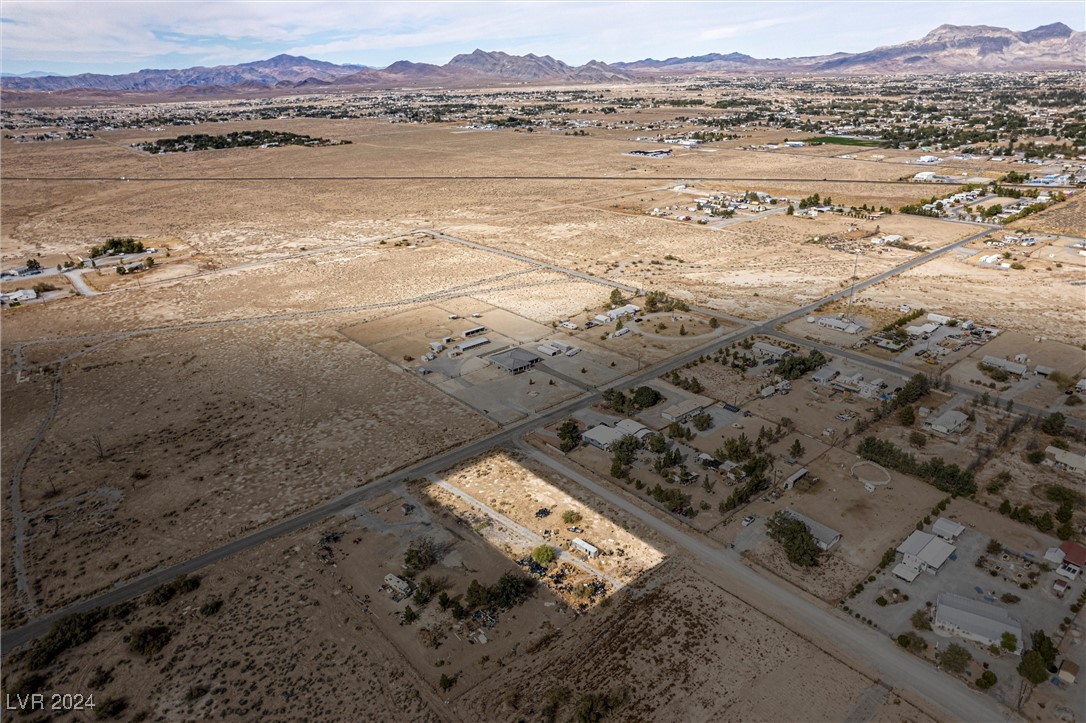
column 1007, row 366
column 947, row 529
column 924, row 552
column 976, row 620
column 948, row 422
column 602, row 437
column 584, row 547
column 472, row 343
column 682, row 411
column 825, row 537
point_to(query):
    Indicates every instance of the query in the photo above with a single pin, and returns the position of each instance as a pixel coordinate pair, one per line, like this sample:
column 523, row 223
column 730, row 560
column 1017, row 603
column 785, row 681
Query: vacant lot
column 1034, row 299
column 161, row 450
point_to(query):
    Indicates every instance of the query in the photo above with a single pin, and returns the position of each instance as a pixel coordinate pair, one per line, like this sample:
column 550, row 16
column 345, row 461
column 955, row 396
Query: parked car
column 747, row 520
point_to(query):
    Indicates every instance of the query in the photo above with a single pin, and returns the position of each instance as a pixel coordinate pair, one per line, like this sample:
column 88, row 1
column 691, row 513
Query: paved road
column 80, row 284
column 143, row 584
column 835, row 631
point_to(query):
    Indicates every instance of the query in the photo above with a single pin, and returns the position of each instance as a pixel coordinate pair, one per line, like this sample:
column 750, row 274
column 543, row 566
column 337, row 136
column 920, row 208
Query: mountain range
column 947, row 49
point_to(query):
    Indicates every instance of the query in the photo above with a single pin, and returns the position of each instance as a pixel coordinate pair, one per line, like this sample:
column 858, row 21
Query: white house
column 976, row 620
column 602, row 437
column 1007, row 366
column 682, row 411
column 1062, row 459
column 19, row 295
column 949, row 422
column 621, row 311
column 925, row 553
column 762, row 350
column 824, row 537
column 630, row 426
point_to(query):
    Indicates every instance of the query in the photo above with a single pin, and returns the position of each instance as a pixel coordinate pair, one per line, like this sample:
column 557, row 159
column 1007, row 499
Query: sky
column 119, row 37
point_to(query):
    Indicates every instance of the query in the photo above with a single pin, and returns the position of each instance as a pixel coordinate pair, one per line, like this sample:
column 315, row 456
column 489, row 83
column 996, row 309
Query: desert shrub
column 68, row 632
column 211, row 607
column 955, row 658
column 544, row 554
column 111, row 707
column 150, row 640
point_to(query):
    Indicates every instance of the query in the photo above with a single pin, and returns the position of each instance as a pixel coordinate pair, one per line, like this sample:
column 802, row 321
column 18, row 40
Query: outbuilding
column 947, row 529
column 472, row 343
column 585, row 548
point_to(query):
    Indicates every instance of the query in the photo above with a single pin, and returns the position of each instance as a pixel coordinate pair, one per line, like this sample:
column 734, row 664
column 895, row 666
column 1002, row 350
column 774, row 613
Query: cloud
column 99, row 33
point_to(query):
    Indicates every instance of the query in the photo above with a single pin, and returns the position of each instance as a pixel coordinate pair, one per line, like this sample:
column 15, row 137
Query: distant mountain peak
column 947, row 48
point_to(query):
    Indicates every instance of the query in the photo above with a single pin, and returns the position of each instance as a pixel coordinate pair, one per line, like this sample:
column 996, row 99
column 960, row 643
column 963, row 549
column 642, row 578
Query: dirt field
column 1034, row 299
column 292, row 609
column 517, row 488
column 299, row 415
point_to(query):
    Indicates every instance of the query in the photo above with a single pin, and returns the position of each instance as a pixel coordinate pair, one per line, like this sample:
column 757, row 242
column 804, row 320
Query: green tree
column 798, row 543
column 791, row 210
column 713, row 323
column 955, row 658
column 477, row 595
column 644, row 397
column 1044, row 646
column 625, row 449
column 544, row 554
column 33, row 264
column 446, row 682
column 1009, row 642
column 796, row 450
column 1032, row 667
column 656, row 442
column 918, row 439
column 907, row 416
column 1053, row 424
column 569, row 434
column 986, row 680
column 571, row 517
column 616, row 297
column 703, row 421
